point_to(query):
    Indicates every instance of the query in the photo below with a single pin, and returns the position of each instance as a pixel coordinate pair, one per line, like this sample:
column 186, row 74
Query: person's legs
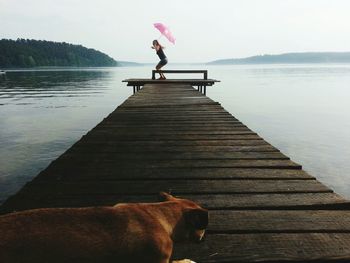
column 160, row 73
column 158, row 67
column 161, row 64
column 164, row 62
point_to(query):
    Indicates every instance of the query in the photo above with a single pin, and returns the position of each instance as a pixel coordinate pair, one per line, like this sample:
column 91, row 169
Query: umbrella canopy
column 164, row 30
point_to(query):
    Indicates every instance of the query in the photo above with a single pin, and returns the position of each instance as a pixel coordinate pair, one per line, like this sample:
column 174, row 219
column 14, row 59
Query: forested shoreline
column 27, row 53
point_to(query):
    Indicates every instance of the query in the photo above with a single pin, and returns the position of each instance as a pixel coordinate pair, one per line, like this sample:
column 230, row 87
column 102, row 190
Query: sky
column 205, row 30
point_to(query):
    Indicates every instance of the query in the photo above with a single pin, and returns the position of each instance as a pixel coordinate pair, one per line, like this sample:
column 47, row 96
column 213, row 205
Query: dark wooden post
column 205, row 75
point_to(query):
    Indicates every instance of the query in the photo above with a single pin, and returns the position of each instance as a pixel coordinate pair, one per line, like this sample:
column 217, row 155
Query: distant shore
column 288, row 58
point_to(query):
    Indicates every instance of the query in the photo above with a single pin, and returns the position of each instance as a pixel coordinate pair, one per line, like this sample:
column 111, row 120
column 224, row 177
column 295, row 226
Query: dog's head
column 194, row 220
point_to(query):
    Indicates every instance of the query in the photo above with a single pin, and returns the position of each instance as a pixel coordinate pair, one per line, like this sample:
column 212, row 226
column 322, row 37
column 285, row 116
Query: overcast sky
column 204, row 30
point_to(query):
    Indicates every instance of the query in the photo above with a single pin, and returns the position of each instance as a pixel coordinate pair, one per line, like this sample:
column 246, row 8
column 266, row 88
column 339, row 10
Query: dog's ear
column 198, row 218
column 163, row 196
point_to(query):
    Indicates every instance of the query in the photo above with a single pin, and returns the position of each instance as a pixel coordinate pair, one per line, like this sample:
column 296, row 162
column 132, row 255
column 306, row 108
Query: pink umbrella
column 165, row 32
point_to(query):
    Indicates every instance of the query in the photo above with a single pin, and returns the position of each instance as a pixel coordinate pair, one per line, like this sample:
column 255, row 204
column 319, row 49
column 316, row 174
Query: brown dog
column 139, row 232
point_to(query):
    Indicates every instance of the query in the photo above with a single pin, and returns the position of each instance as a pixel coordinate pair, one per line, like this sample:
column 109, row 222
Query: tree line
column 303, row 57
column 39, row 53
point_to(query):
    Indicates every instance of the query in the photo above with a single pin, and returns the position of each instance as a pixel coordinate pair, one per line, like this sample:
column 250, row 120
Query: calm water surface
column 303, row 110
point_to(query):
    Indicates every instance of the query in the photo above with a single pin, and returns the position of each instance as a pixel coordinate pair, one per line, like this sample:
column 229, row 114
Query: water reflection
column 32, row 85
column 44, row 112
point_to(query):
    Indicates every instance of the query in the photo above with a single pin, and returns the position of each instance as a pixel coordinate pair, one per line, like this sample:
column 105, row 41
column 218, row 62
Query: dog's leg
column 183, row 261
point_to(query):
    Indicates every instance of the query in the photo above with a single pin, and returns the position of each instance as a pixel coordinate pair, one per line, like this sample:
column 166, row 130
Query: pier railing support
column 136, row 88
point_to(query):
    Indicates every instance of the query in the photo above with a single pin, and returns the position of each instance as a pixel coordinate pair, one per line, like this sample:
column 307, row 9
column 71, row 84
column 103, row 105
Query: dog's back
column 141, row 232
column 58, row 235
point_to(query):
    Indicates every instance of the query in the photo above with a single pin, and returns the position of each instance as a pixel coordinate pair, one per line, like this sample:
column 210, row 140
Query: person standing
column 163, row 59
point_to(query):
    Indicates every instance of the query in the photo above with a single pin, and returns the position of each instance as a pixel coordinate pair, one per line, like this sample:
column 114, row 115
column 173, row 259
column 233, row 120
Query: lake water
column 304, row 110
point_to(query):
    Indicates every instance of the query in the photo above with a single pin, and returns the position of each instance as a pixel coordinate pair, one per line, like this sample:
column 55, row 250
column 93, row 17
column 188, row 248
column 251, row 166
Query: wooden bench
column 204, row 72
column 200, row 83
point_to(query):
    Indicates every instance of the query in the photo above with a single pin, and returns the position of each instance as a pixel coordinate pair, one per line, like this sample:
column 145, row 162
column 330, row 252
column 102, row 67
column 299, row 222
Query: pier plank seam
column 168, row 136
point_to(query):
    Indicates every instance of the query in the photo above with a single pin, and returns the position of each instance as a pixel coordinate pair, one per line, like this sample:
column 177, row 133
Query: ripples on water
column 28, row 87
column 301, row 109
column 44, row 112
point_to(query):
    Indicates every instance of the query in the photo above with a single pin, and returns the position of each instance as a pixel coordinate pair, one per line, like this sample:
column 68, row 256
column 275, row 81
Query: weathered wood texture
column 167, row 137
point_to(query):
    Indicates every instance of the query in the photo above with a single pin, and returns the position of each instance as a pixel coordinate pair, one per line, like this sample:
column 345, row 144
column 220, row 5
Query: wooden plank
column 117, row 164
column 167, row 104
column 161, row 101
column 211, row 107
column 278, row 221
column 189, row 104
column 168, row 134
column 198, row 110
column 295, row 247
column 294, row 201
column 174, row 101
column 173, row 106
column 174, row 131
column 186, row 129
column 194, row 82
column 107, row 147
column 167, row 143
column 110, row 147
column 269, row 201
column 178, row 115
column 81, row 173
column 177, row 187
column 174, row 124
column 146, row 122
column 193, row 96
column 174, row 116
column 140, row 156
column 110, row 135
column 200, row 119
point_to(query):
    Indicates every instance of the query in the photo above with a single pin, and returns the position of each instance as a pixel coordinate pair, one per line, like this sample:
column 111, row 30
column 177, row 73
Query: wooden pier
column 170, row 137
